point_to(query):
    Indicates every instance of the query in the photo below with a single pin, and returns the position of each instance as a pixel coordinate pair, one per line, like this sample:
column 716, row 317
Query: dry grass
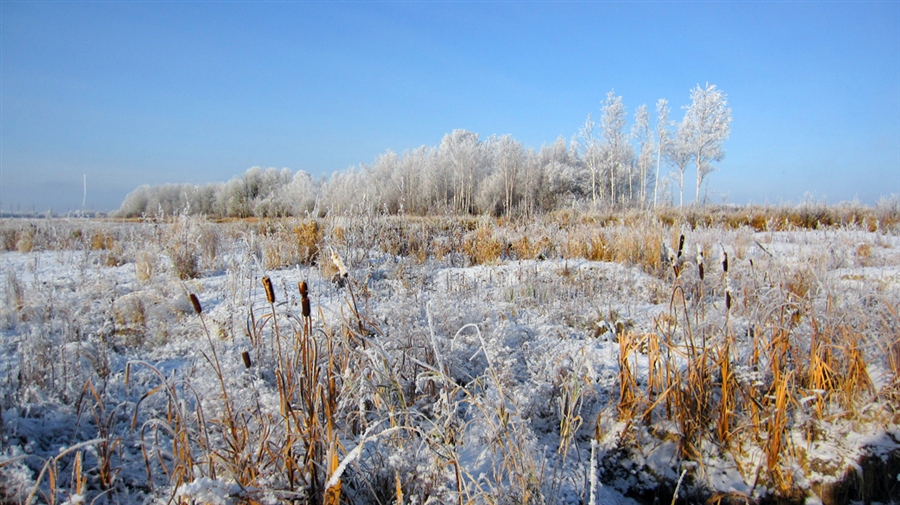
column 288, row 243
column 743, row 355
column 482, row 247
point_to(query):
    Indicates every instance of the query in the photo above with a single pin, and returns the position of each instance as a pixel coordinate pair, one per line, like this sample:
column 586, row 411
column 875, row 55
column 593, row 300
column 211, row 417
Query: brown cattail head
column 304, row 306
column 680, row 245
column 725, row 262
column 700, row 259
column 246, row 357
column 270, row 292
column 304, row 298
column 196, row 303
column 303, row 289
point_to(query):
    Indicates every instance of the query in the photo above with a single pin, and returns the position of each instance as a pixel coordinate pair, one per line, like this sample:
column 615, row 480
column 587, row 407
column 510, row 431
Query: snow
column 497, row 358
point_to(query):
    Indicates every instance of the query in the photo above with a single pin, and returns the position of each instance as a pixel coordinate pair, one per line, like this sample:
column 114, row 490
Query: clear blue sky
column 133, row 93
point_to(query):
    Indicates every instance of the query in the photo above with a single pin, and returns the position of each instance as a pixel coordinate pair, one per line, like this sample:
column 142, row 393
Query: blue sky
column 131, row 93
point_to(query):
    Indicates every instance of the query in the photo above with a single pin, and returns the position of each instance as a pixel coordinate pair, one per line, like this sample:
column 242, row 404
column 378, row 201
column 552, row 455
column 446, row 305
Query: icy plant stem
column 678, row 486
column 592, row 500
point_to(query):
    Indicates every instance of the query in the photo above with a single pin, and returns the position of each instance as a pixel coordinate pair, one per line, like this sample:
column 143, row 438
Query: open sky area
column 146, row 92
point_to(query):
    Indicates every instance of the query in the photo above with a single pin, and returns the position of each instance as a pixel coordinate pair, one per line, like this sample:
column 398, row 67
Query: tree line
column 605, row 163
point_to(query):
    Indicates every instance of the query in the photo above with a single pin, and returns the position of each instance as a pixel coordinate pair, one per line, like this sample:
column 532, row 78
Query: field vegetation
column 704, row 354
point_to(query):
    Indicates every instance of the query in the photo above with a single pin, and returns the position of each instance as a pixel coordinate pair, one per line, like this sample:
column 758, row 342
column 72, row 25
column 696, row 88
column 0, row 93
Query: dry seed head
column 339, row 264
column 196, row 303
column 246, row 357
column 270, row 292
column 725, row 261
column 303, row 289
column 680, row 245
column 668, row 255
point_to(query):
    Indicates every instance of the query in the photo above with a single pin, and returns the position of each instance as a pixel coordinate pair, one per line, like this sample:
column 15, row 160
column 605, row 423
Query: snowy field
column 448, row 361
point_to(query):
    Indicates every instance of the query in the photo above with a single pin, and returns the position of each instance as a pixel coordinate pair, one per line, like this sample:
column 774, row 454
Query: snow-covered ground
column 445, row 382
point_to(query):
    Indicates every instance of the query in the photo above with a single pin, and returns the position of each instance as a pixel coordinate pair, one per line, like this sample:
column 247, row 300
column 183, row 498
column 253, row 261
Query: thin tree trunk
column 656, row 182
column 699, row 177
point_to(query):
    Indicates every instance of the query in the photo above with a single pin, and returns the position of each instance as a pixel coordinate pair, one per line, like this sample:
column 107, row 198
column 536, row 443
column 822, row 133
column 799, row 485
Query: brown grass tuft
column 482, row 247
column 309, row 241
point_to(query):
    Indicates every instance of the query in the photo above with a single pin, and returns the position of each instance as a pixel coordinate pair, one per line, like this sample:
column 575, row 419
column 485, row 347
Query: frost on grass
column 554, row 363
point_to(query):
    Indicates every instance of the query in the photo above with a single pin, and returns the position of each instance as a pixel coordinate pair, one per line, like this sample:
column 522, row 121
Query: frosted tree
column 531, row 180
column 298, row 198
column 590, row 153
column 679, row 154
column 564, row 180
column 437, row 177
column 708, row 124
column 614, row 138
column 663, row 139
column 461, row 149
column 203, row 199
column 135, row 203
column 506, row 157
column 387, row 182
column 415, row 193
column 642, row 135
column 350, row 192
column 561, row 177
column 268, row 184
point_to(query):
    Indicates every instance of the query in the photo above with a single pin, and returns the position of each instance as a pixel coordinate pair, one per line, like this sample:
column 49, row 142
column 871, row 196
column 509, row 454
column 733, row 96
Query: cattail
column 700, row 260
column 680, row 244
column 728, row 300
column 196, row 303
column 246, row 357
column 304, row 299
column 270, row 292
column 304, row 307
column 725, row 262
